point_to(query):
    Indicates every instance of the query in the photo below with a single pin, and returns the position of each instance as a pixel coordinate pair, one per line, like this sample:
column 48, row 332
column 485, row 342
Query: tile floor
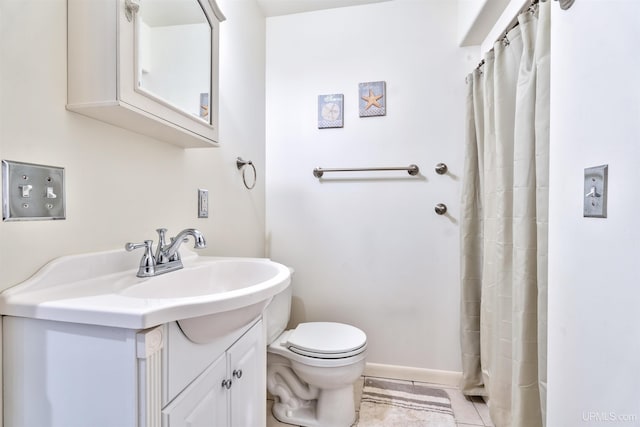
column 467, row 411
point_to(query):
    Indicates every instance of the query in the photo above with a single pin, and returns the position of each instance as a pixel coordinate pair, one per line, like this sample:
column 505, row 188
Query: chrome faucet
column 167, row 257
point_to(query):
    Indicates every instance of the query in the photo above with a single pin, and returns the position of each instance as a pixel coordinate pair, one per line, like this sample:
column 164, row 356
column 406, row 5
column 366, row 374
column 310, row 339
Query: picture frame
column 373, row 99
column 330, row 111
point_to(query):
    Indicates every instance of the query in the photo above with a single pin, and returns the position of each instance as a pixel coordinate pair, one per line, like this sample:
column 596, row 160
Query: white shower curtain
column 504, row 225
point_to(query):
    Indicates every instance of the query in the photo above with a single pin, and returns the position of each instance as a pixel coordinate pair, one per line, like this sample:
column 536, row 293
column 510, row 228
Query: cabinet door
column 247, row 367
column 204, row 403
column 107, row 51
column 144, row 102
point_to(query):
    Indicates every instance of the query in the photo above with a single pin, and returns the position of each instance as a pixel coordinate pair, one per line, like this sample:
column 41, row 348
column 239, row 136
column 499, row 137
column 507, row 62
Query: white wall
column 121, row 186
column 594, row 289
column 476, row 17
column 370, row 251
column 468, row 12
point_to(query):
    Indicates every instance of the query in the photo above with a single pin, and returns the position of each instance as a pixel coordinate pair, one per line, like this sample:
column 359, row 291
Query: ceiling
column 287, row 7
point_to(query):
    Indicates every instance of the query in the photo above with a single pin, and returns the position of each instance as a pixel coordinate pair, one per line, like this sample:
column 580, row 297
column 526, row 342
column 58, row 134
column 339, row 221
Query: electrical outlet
column 203, row 203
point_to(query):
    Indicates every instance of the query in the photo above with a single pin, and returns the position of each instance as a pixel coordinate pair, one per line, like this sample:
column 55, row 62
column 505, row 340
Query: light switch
column 595, row 191
column 32, row 192
column 26, row 191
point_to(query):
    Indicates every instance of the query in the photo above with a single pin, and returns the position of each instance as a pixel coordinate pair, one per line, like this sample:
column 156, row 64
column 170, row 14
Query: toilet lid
column 326, row 339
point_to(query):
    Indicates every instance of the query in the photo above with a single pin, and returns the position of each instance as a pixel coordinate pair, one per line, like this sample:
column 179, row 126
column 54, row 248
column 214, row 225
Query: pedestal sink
column 209, row 297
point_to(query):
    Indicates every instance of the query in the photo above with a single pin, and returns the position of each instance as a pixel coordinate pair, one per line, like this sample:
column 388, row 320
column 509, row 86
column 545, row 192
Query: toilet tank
column 276, row 314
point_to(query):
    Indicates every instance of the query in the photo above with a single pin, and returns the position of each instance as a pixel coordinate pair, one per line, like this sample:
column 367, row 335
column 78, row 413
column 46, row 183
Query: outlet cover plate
column 203, row 203
column 595, row 191
column 32, row 192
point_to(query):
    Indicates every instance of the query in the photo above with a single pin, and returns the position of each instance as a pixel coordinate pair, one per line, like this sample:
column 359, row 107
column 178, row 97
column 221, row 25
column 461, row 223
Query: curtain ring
column 240, row 164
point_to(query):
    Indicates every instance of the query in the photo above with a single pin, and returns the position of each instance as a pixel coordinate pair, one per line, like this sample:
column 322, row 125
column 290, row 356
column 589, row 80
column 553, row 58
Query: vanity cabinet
column 230, row 392
column 205, row 402
column 62, row 374
column 150, row 66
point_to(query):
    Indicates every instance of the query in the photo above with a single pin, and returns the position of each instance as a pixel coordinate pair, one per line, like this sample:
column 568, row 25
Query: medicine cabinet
column 150, row 66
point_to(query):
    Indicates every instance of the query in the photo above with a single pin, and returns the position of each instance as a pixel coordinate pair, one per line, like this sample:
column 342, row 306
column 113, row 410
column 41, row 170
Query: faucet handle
column 176, row 255
column 161, row 233
column 148, row 262
column 133, row 246
column 162, row 241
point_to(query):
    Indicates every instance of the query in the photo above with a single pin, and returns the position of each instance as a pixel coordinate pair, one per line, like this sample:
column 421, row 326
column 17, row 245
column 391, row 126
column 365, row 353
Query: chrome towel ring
column 241, row 164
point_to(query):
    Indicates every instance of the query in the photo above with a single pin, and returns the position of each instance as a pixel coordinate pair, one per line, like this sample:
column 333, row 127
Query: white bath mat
column 403, row 404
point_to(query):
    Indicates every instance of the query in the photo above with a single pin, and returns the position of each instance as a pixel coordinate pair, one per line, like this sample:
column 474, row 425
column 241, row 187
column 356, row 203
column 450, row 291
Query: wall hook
column 130, row 9
column 441, row 168
column 566, row 4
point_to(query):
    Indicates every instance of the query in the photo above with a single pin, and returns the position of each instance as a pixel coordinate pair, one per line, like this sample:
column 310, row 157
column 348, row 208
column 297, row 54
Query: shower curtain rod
column 513, row 24
column 564, row 5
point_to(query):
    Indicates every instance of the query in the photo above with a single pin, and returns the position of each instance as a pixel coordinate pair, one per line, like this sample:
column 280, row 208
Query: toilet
column 311, row 369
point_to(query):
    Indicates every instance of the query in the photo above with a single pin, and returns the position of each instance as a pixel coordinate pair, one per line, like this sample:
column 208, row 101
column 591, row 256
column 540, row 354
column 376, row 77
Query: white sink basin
column 210, row 296
column 206, row 276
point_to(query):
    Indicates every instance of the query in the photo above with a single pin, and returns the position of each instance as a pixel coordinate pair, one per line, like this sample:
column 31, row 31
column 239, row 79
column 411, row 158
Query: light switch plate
column 203, row 203
column 595, row 191
column 32, row 192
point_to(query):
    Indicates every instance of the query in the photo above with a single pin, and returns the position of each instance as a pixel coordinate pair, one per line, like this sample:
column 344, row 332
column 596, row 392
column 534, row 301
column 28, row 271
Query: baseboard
column 449, row 378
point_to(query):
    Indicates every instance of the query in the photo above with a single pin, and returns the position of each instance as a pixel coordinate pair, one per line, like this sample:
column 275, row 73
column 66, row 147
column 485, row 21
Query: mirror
column 173, row 58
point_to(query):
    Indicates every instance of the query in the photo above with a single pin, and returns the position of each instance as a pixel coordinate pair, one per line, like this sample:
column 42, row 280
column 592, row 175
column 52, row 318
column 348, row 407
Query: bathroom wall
column 594, row 291
column 477, row 17
column 468, row 13
column 367, row 248
column 121, row 186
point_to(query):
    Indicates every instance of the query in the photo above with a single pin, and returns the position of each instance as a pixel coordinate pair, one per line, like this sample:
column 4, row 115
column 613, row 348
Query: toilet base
column 302, row 416
column 333, row 408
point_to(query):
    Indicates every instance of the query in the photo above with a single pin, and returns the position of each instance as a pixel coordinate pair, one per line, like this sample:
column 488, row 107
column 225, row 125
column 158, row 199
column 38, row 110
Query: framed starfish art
column 373, row 99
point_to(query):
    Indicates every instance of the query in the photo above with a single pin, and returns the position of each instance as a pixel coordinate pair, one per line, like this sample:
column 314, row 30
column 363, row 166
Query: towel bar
column 411, row 169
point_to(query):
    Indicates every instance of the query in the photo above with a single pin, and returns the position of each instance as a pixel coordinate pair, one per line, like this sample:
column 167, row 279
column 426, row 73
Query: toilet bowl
column 311, row 369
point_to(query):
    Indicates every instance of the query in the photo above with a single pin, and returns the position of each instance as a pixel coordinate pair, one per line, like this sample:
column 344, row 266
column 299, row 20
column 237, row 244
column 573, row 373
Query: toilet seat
column 356, row 346
column 326, row 340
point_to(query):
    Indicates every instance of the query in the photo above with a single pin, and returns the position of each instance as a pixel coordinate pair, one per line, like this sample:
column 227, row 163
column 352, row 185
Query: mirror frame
column 148, row 104
column 101, row 76
column 213, row 69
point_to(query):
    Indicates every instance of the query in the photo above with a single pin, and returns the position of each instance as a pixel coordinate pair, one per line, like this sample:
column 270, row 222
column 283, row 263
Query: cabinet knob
column 227, row 384
column 237, row 373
